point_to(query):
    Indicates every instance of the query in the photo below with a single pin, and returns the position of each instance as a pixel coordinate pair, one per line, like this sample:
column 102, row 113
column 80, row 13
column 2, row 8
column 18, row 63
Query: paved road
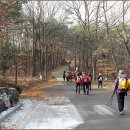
column 92, row 109
column 64, row 109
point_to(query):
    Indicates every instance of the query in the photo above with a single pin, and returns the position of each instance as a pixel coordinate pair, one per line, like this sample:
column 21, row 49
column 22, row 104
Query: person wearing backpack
column 70, row 76
column 121, row 87
column 85, row 82
column 100, row 80
column 78, row 83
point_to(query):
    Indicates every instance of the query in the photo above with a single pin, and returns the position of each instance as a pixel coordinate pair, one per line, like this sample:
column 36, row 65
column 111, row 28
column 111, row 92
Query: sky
column 57, row 9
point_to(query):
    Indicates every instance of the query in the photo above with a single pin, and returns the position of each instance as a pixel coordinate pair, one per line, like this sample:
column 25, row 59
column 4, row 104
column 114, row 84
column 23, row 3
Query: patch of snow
column 8, row 111
column 39, row 114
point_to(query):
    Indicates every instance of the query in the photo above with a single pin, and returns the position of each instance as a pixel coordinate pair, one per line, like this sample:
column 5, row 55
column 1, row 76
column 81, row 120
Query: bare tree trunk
column 4, row 70
column 112, row 52
column 45, row 64
column 128, row 50
column 126, row 35
column 52, row 57
column 26, row 66
column 75, row 58
column 94, row 59
column 83, row 54
column 94, row 62
column 16, row 72
column 33, row 51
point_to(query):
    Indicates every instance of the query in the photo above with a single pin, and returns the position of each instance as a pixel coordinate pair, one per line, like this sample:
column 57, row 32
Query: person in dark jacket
column 78, row 82
column 64, row 75
column 90, row 81
column 120, row 87
column 100, row 81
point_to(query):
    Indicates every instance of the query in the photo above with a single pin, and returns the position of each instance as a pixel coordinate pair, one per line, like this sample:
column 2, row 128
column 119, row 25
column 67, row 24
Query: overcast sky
column 47, row 7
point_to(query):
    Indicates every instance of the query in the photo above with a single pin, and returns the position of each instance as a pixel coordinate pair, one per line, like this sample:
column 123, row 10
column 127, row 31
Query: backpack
column 78, row 80
column 89, row 78
column 128, row 85
column 85, row 79
column 100, row 78
column 122, row 83
column 67, row 74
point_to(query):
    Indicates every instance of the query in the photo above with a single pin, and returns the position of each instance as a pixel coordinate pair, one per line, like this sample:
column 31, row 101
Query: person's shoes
column 121, row 113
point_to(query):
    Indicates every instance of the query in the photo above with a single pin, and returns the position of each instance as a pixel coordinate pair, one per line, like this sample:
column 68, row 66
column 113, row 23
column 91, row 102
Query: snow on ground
column 57, row 112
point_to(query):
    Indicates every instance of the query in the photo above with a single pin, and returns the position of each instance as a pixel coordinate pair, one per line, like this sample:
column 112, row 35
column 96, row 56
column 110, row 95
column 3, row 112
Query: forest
column 36, row 37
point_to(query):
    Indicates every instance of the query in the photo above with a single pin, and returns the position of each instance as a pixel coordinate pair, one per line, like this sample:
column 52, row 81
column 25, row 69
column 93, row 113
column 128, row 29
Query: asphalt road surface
column 63, row 109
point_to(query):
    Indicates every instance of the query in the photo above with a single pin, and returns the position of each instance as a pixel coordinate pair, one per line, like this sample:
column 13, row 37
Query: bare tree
column 124, row 33
column 108, row 27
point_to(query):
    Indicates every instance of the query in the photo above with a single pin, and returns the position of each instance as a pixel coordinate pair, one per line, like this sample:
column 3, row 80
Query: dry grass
column 31, row 87
column 38, row 91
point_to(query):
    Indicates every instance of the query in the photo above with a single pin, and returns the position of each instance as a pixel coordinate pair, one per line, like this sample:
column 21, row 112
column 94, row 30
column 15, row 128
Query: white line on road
column 103, row 110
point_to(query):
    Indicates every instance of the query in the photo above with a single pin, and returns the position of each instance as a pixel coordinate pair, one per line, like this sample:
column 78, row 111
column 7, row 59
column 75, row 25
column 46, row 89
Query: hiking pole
column 111, row 99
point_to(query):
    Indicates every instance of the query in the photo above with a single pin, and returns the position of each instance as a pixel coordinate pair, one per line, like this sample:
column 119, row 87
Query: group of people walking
column 68, row 76
column 83, row 81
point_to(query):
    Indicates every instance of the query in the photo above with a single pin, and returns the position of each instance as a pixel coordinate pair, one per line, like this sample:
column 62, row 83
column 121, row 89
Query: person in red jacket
column 85, row 82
